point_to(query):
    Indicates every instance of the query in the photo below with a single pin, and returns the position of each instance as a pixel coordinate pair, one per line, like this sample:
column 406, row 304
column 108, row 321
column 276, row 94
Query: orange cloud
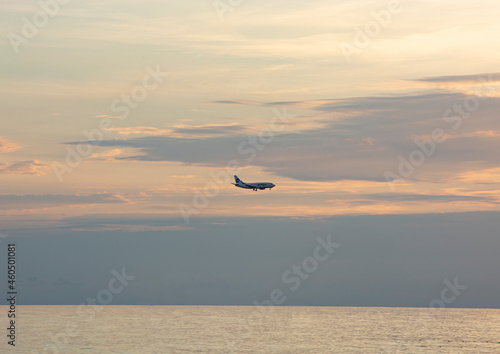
column 186, row 131
column 7, row 146
column 32, row 167
column 487, row 176
column 109, row 155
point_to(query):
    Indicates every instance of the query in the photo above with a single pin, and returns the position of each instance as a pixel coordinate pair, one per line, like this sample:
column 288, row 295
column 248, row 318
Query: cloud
column 485, row 176
column 477, row 78
column 211, row 130
column 403, row 254
column 109, row 155
column 123, row 223
column 141, row 131
column 186, row 131
column 32, row 167
column 52, row 200
column 417, row 197
column 7, row 146
column 230, row 102
column 359, row 138
column 130, row 228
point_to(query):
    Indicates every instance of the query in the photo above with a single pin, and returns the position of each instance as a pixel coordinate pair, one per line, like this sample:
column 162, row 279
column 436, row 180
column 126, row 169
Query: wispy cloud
column 477, row 78
column 51, row 200
column 130, row 228
column 418, row 197
column 32, row 167
column 110, row 155
column 186, row 131
column 8, row 146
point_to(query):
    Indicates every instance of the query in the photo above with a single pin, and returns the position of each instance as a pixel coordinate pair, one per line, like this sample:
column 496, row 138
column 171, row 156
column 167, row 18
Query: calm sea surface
column 214, row 329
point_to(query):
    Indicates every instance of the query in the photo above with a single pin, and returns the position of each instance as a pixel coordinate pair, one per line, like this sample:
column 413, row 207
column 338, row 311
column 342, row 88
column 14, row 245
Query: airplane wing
column 248, row 185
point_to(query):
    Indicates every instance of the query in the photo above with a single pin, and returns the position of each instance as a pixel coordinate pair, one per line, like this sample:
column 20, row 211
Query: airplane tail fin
column 236, row 179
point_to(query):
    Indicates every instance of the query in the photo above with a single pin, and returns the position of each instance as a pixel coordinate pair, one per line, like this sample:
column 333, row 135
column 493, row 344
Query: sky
column 124, row 122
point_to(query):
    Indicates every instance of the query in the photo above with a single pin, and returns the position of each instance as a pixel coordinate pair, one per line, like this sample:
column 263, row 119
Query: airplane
column 254, row 186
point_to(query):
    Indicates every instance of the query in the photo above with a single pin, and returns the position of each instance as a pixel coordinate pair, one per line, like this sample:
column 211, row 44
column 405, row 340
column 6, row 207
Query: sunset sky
column 120, row 118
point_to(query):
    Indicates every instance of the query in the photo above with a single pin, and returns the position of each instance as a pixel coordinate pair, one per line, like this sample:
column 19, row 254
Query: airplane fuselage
column 255, row 186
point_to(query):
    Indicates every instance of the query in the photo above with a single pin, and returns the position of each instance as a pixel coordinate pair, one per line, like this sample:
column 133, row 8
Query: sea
column 250, row 329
